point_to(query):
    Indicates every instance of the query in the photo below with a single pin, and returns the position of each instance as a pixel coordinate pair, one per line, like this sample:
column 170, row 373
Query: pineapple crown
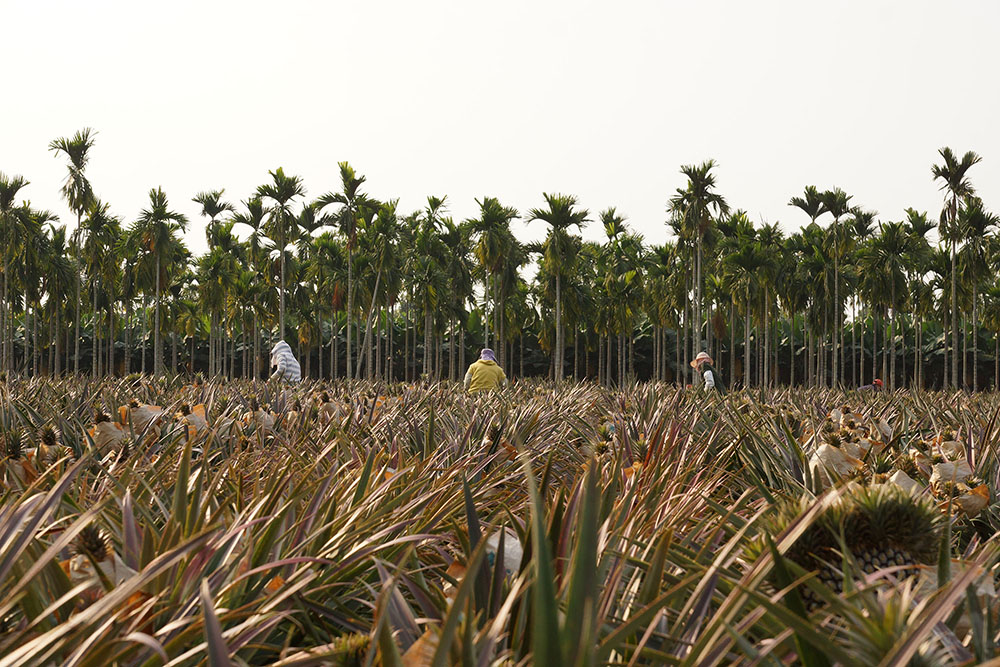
column 93, row 542
column 15, row 444
column 49, row 436
column 882, row 465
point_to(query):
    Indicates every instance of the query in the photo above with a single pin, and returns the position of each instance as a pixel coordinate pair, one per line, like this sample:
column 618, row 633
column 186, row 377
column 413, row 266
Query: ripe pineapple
column 883, row 526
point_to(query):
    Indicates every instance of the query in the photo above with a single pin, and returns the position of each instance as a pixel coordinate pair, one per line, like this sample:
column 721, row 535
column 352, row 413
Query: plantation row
column 362, row 289
column 150, row 521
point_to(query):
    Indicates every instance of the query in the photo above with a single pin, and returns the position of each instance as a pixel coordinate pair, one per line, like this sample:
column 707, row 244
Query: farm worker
column 485, row 374
column 703, row 364
column 874, row 386
column 288, row 368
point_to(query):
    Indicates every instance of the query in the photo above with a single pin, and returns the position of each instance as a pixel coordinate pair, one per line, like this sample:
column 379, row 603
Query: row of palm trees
column 405, row 295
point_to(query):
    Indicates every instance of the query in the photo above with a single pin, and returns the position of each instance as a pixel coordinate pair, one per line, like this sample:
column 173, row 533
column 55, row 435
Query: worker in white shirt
column 703, row 364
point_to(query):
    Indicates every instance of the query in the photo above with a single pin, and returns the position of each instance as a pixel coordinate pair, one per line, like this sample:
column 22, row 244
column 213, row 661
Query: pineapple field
column 152, row 522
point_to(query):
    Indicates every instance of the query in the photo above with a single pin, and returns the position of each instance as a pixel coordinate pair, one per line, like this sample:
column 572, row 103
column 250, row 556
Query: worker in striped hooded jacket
column 288, row 367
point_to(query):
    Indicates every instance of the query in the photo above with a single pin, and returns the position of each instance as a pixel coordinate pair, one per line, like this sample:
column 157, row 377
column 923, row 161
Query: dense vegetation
column 364, row 290
column 418, row 525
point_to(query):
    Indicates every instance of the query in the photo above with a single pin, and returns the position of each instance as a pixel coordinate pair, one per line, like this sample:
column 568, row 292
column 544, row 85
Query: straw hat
column 702, row 356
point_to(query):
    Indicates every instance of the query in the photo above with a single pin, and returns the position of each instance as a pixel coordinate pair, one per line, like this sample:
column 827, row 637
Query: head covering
column 487, row 355
column 877, row 382
column 702, row 356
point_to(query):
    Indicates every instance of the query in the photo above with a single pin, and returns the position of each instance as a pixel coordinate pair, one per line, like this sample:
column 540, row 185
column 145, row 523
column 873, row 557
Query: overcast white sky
column 604, row 100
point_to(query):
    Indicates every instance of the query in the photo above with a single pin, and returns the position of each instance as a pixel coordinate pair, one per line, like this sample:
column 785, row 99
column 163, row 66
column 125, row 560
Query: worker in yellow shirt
column 485, row 374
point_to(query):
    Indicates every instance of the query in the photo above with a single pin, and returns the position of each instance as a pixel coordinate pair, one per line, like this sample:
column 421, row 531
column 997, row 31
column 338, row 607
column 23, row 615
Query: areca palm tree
column 743, row 265
column 770, row 241
column 429, row 279
column 158, row 226
column 383, row 232
column 698, row 205
column 837, row 203
column 561, row 214
column 351, row 201
column 883, row 263
column 281, row 191
column 862, row 226
column 58, row 276
column 493, row 240
column 918, row 226
column 953, row 174
column 811, row 203
column 31, row 269
column 212, row 205
column 458, row 268
column 976, row 226
column 13, row 220
column 257, row 245
column 328, row 271
column 103, row 231
column 78, row 194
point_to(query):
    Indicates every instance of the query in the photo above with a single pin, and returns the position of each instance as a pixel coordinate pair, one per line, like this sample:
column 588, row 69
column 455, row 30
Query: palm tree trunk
column 791, row 350
column 600, row 360
column 697, row 310
column 334, row 348
column 836, row 299
column 428, row 360
column 157, row 368
column 4, row 310
column 57, row 365
column 621, row 360
column 746, row 340
column 682, row 368
column 809, row 351
column 111, row 335
column 557, row 359
column 854, row 346
column 368, row 328
column 767, row 341
column 439, row 340
column 954, row 299
column 319, row 345
column 211, row 345
column 975, row 337
column 76, row 352
column 521, row 373
column 350, row 304
column 732, row 340
column 965, row 353
column 892, row 341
